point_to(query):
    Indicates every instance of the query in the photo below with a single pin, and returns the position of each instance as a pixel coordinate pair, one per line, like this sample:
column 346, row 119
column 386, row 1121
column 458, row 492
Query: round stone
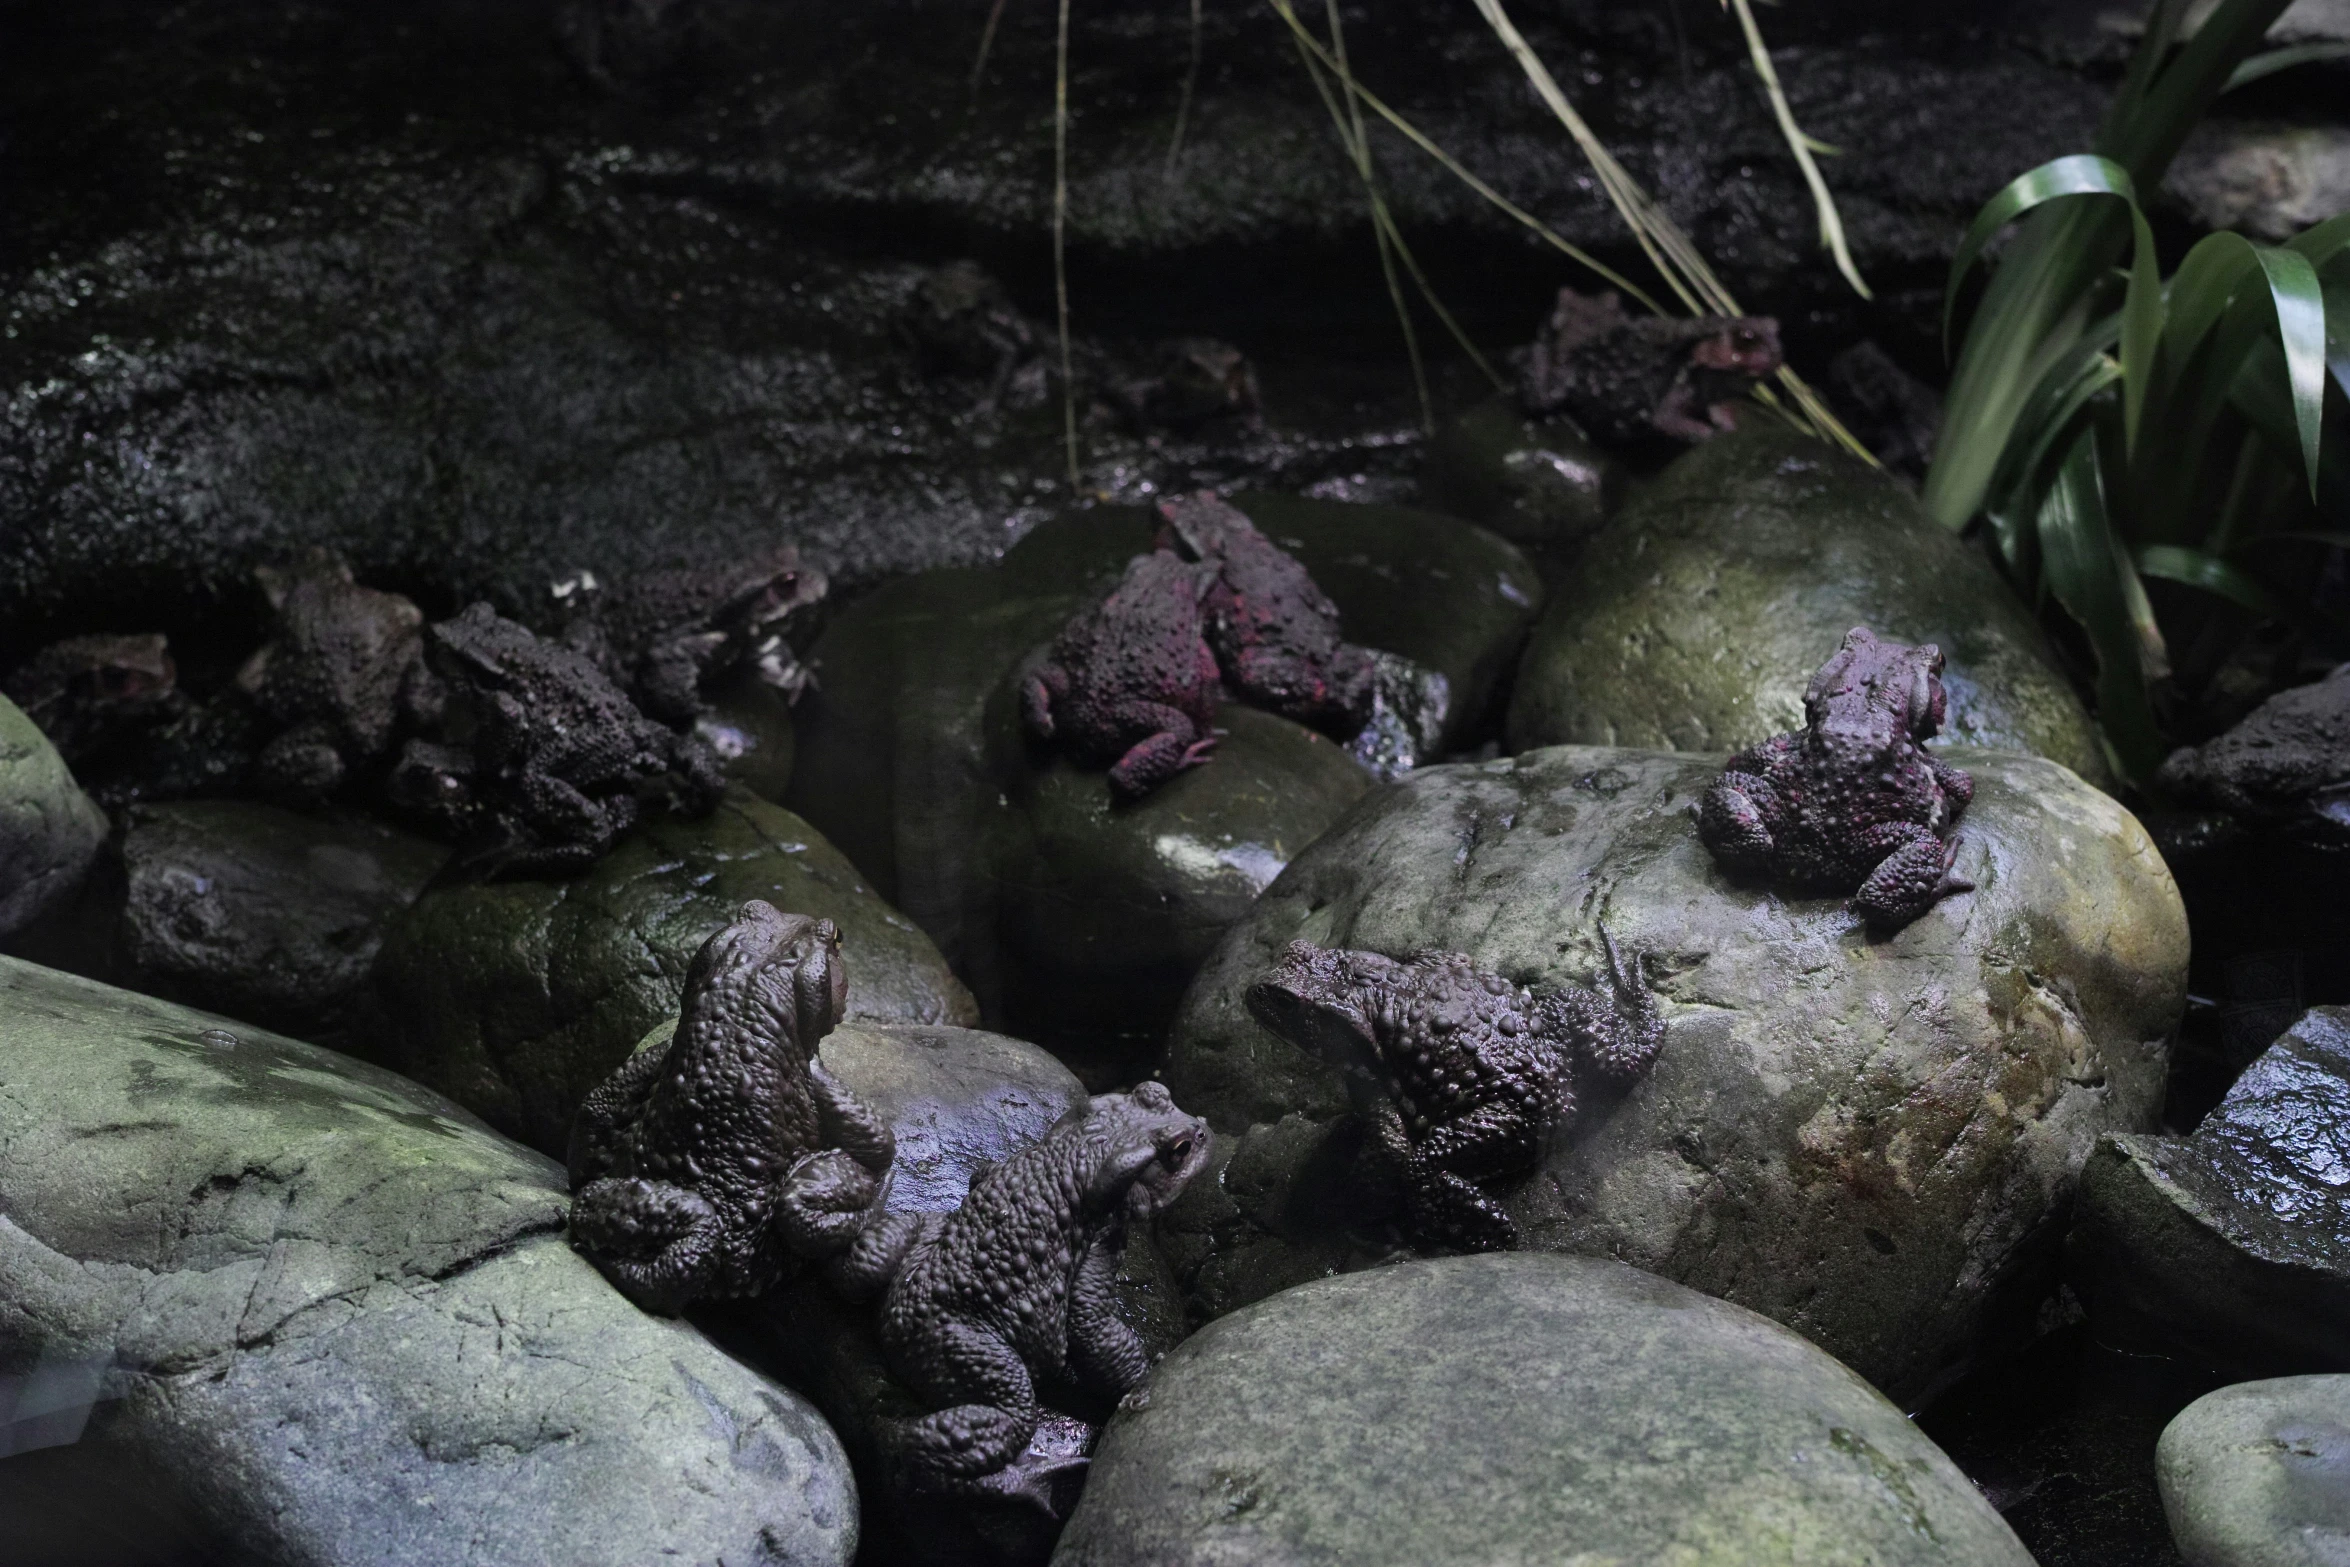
column 2258, row 1475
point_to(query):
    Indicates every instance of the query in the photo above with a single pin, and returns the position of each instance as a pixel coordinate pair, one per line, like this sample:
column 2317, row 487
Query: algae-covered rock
column 336, row 1317
column 49, row 829
column 2258, row 1475
column 1523, row 1409
column 515, row 998
column 1695, row 619
column 2232, row 1247
column 1864, row 1137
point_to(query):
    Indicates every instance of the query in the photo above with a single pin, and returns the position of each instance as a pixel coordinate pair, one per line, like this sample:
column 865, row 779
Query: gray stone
column 2232, row 1247
column 1541, row 484
column 2269, row 180
column 1523, row 1409
column 1866, row 1138
column 270, row 915
column 49, row 829
column 338, row 1316
column 515, row 998
column 2258, row 1475
column 1695, row 620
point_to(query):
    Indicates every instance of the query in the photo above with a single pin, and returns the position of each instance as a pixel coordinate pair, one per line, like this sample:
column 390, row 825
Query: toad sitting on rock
column 1469, row 1074
column 1017, row 1285
column 1851, row 802
column 663, row 636
column 1130, row 682
column 716, row 1162
column 1621, row 377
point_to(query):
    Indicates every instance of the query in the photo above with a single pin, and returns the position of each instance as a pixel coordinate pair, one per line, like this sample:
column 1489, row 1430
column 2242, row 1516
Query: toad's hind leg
column 657, row 1243
column 976, row 1448
column 1492, row 1142
column 1734, row 820
column 1451, row 1210
column 1172, row 743
column 1911, row 878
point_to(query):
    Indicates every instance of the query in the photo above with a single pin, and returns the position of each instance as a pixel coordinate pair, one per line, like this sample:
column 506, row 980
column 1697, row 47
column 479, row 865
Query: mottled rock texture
column 1866, row 1138
column 2258, row 1475
column 49, row 829
column 336, row 1315
column 1537, row 1410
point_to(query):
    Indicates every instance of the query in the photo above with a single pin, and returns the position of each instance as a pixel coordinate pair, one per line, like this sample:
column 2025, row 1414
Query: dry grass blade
column 1061, row 243
column 995, row 15
column 1831, row 221
column 1358, row 146
column 1190, row 86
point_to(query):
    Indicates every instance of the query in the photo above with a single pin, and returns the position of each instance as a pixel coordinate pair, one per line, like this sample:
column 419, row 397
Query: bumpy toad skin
column 1274, row 633
column 1467, row 1074
column 1621, row 377
column 1852, row 802
column 85, row 692
column 1017, row 1284
column 557, row 755
column 344, row 667
column 663, row 635
column 711, row 1165
column 1130, row 682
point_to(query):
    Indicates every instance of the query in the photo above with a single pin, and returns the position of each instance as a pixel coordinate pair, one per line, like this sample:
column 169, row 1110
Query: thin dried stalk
column 986, row 42
column 1831, row 221
column 1060, row 242
column 1190, row 85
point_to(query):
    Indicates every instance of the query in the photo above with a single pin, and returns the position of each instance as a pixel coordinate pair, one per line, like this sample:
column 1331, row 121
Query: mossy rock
column 1541, row 1411
column 1694, row 621
column 516, row 998
column 1867, row 1137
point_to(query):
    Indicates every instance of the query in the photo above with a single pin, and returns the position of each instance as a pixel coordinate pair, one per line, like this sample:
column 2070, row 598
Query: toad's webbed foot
column 1174, row 743
column 1734, row 820
column 657, row 1243
column 1621, row 1043
column 1910, row 879
column 1451, row 1210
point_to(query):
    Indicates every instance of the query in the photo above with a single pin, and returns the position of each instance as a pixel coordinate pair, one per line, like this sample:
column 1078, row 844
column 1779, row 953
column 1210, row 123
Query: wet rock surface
column 516, row 998
column 1696, row 618
column 2232, row 1246
column 1541, row 484
column 415, row 286
column 1776, row 1153
column 334, row 1315
column 2258, row 1475
column 265, row 913
column 1516, row 1408
column 49, row 829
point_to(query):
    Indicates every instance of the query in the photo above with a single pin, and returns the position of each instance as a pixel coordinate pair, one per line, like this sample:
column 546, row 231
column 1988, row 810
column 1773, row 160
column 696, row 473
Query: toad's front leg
column 1451, row 1166
column 1734, row 821
column 657, row 1243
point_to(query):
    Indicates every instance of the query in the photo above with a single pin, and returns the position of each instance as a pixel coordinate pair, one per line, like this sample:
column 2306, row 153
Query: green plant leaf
column 2144, row 128
column 2213, row 575
column 2081, row 174
column 2276, row 60
column 2096, row 582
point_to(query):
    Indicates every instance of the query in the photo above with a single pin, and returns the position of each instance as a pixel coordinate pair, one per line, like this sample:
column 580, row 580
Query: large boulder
column 336, row 1318
column 1695, row 619
column 2258, row 1475
column 1524, row 1409
column 2232, row 1246
column 515, row 998
column 49, row 829
column 265, row 913
column 1864, row 1137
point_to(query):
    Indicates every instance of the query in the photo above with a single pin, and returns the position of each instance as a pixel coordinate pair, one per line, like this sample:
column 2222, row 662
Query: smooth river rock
column 49, row 829
column 1695, row 619
column 1867, row 1138
column 335, row 1316
column 515, row 998
column 1523, row 1409
column 2232, row 1247
column 2258, row 1475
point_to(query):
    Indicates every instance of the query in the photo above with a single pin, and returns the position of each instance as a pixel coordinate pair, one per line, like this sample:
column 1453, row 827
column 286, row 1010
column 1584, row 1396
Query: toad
column 86, row 693
column 715, row 1162
column 1193, row 382
column 1851, row 802
column 665, row 635
column 1130, row 683
column 1017, row 1285
column 1275, row 634
column 962, row 322
column 557, row 755
column 1621, row 377
column 341, row 671
column 1465, row 1074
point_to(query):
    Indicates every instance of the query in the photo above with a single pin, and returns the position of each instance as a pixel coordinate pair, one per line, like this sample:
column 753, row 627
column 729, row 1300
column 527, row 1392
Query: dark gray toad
column 716, row 1163
column 1852, row 802
column 1622, row 376
column 556, row 757
column 1017, row 1285
column 342, row 672
column 663, row 636
column 1467, row 1074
